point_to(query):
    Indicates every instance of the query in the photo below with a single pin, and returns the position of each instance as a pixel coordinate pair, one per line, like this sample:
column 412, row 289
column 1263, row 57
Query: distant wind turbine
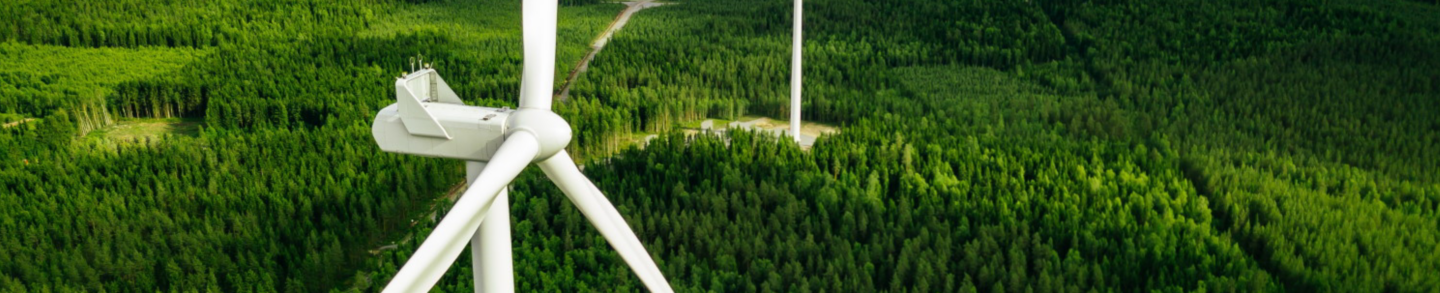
column 795, row 49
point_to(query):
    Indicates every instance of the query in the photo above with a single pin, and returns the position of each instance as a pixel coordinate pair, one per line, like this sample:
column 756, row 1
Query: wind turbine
column 428, row 119
column 795, row 47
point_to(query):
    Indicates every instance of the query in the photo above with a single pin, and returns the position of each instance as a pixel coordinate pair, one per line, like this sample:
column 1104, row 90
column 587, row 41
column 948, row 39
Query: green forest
column 983, row 146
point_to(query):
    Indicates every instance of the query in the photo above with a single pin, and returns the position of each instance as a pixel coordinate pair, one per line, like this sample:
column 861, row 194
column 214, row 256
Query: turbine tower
column 428, row 119
column 795, row 75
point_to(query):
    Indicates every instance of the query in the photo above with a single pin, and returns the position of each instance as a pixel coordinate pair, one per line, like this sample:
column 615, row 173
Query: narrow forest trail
column 16, row 123
column 599, row 44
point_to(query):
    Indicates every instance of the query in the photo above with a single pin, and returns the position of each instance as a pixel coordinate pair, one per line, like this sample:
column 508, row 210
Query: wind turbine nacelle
column 428, row 119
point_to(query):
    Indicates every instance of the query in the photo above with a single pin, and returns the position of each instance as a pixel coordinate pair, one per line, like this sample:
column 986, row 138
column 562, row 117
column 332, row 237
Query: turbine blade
column 538, row 20
column 606, row 219
column 454, row 231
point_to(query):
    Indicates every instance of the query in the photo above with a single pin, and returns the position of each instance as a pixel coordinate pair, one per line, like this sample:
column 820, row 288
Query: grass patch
column 637, row 138
column 719, row 123
column 149, row 129
column 761, row 122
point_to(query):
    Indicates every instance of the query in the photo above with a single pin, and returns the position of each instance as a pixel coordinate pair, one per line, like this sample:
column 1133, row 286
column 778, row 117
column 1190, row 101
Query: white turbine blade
column 454, row 231
column 538, row 20
column 606, row 219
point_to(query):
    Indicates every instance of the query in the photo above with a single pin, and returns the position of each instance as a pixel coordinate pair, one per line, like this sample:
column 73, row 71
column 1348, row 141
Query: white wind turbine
column 430, row 120
column 795, row 48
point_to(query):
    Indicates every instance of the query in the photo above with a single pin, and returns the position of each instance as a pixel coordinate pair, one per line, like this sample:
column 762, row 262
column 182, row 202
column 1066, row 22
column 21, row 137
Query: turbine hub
column 551, row 131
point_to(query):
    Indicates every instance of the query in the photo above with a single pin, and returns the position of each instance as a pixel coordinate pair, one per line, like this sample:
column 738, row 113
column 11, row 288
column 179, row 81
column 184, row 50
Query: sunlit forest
column 982, row 146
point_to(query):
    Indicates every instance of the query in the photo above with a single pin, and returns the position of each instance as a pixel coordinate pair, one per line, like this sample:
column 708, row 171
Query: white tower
column 795, row 76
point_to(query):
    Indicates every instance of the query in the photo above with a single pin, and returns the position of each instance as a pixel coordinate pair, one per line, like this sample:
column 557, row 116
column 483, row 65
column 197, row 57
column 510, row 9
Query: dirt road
column 599, row 43
column 13, row 124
